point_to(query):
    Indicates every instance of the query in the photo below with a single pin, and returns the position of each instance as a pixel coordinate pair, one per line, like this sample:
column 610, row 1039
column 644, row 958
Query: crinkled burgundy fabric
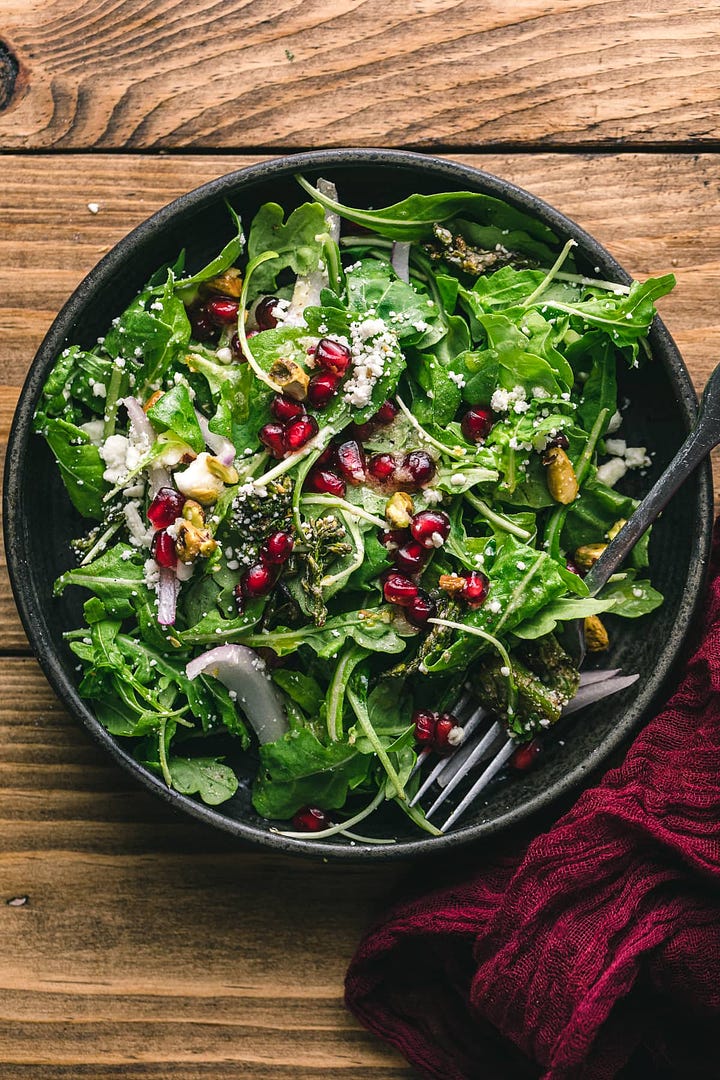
column 597, row 946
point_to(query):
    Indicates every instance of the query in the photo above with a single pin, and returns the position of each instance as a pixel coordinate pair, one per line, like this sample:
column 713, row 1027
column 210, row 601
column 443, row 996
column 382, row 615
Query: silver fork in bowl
column 487, row 741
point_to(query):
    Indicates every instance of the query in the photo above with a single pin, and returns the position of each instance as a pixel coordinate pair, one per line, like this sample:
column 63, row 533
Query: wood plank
column 654, row 212
column 422, row 73
column 148, row 942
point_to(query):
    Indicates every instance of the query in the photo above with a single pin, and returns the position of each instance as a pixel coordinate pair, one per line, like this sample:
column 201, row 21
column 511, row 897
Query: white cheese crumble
column 140, row 534
column 371, row 343
column 612, row 471
column 504, row 400
column 114, row 454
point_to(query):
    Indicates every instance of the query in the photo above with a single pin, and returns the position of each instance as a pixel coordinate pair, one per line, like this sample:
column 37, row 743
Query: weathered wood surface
column 292, row 73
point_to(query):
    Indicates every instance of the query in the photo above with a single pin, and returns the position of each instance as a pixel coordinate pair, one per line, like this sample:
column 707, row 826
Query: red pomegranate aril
column 332, row 356
column 236, row 347
column 258, row 579
column 424, row 722
column 476, row 424
column 430, row 528
column 284, row 409
column 328, row 458
column 351, row 461
column 418, row 466
column 278, row 547
column 410, row 557
column 165, row 507
column 322, row 389
column 300, row 431
column 311, row 819
column 265, row 313
column 163, row 550
column 475, row 589
column 392, row 539
column 382, row 467
column 325, row 482
column 420, row 609
column 574, row 568
column 222, row 311
column 524, row 757
column 201, row 325
column 362, row 432
column 386, row 413
column 443, row 730
column 273, row 436
column 398, row 589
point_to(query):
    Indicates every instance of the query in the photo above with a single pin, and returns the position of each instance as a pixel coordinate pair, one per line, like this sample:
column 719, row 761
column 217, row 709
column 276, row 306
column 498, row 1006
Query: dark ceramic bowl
column 662, row 408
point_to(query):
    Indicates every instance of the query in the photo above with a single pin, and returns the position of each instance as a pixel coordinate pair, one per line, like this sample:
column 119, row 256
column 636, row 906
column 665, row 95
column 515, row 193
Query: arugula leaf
column 372, row 628
column 631, row 598
column 301, row 688
column 600, row 388
column 298, row 770
column 79, row 462
column 174, row 411
column 222, row 261
column 207, row 777
column 562, row 610
column 115, row 577
column 298, row 242
column 414, row 217
column 153, row 330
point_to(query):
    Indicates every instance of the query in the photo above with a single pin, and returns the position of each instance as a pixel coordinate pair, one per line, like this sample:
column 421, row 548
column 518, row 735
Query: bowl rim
column 29, row 602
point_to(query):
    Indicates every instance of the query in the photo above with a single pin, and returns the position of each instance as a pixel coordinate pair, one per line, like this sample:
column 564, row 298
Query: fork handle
column 701, row 440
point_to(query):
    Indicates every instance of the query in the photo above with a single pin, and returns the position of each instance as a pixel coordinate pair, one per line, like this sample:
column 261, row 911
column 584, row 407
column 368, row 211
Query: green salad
column 333, row 478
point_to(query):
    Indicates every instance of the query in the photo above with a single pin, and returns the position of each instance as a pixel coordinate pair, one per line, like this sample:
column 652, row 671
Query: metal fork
column 480, row 744
column 483, row 738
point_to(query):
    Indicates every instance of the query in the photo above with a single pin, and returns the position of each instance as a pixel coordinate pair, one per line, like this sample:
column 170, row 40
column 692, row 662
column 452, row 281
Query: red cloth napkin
column 595, row 951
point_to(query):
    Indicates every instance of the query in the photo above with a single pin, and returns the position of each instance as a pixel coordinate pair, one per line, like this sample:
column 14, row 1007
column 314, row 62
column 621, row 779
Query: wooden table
column 137, row 944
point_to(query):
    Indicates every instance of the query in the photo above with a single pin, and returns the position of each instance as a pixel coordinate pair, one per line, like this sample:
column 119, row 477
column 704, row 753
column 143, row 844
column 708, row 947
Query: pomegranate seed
column 381, row 466
column 424, row 722
column 283, row 409
column 311, row 819
column 236, row 347
column 392, row 539
column 560, row 440
column 420, row 609
column 399, row 589
column 386, row 413
column 264, row 313
column 332, row 356
column 524, row 757
column 163, row 550
column 273, row 436
column 325, row 482
column 165, row 507
column 278, row 547
column 475, row 589
column 322, row 389
column 430, row 528
column 362, row 432
column 222, row 311
column 258, row 579
column 300, row 431
column 328, row 457
column 418, row 466
column 574, row 568
column 202, row 327
column 443, row 729
column 476, row 424
column 351, row 461
column 410, row 558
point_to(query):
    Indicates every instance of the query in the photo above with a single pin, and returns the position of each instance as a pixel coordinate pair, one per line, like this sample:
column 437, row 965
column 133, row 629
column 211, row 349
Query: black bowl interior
column 661, row 408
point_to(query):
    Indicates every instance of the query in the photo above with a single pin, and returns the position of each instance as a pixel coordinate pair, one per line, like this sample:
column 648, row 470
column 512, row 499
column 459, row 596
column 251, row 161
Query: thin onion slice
column 158, row 474
column 221, row 447
column 167, row 591
column 242, row 671
column 400, row 259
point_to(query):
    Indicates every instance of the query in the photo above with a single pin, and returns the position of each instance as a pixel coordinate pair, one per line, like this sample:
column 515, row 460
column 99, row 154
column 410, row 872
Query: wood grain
column 292, row 73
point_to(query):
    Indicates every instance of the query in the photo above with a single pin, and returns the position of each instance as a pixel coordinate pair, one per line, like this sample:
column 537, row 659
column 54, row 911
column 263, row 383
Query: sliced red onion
column 158, row 474
column 167, row 591
column 242, row 671
column 221, row 447
column 328, row 189
column 400, row 259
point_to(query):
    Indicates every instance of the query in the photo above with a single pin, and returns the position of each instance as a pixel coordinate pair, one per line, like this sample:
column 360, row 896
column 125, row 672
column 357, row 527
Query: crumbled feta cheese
column 140, row 534
column 99, row 389
column 457, row 378
column 93, row 207
column 94, row 431
column 114, row 454
column 495, row 606
column 636, row 457
column 151, row 573
column 612, row 471
column 371, row 344
column 616, row 447
column 224, row 355
column 505, row 670
column 615, row 422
